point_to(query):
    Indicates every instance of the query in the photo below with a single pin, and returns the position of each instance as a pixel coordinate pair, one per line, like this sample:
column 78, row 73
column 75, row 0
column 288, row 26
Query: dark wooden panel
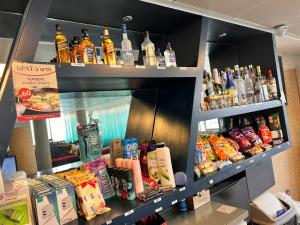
column 141, row 115
column 260, row 178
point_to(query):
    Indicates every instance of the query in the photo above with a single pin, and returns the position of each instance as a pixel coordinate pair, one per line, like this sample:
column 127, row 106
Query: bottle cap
column 146, row 34
column 84, row 32
column 143, row 146
column 269, row 73
column 124, row 29
column 105, row 32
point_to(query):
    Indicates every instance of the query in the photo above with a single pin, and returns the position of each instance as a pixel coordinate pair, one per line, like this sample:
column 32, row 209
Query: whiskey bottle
column 87, row 49
column 61, row 45
column 76, row 51
column 272, row 87
column 170, row 57
column 252, row 74
column 108, row 49
column 231, row 90
column 126, row 47
column 71, row 53
column 148, row 50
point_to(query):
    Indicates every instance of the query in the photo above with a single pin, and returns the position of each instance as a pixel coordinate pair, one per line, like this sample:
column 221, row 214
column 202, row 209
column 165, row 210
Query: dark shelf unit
column 174, row 93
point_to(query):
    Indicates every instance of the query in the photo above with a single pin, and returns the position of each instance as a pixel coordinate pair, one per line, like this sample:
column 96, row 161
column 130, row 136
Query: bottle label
column 150, row 52
column 109, row 48
column 78, row 58
column 272, row 86
column 62, row 45
column 89, row 52
column 172, row 58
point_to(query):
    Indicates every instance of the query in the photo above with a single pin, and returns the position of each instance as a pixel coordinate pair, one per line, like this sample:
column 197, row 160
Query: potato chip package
column 250, row 134
column 237, row 136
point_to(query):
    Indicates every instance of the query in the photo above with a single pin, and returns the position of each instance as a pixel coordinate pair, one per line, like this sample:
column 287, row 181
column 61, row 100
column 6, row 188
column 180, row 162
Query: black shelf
column 237, row 110
column 112, row 77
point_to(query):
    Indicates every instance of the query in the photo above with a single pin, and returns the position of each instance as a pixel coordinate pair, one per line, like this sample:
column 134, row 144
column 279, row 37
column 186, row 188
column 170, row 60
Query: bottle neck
column 125, row 36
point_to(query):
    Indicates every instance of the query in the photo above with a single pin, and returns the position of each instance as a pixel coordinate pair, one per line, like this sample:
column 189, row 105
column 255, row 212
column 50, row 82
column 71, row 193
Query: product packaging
column 152, row 163
column 250, row 134
column 143, row 159
column 115, row 150
column 275, row 127
column 137, row 176
column 237, row 136
column 126, row 149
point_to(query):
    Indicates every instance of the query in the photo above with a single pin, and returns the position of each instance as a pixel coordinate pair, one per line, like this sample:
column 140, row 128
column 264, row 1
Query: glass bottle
column 71, row 52
column 231, row 90
column 272, row 87
column 218, row 88
column 76, row 51
column 61, row 45
column 249, row 87
column 257, row 87
column 252, row 74
column 148, row 50
column 264, row 85
column 240, row 87
column 170, row 57
column 126, row 47
column 108, row 49
column 87, row 49
column 120, row 60
column 160, row 59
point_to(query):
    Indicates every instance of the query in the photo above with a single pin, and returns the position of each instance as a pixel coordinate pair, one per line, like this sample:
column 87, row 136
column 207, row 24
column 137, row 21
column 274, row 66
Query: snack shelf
column 114, row 77
column 236, row 110
column 207, row 181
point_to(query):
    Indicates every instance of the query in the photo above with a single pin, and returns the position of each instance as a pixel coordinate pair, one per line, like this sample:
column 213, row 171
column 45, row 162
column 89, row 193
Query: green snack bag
column 275, row 128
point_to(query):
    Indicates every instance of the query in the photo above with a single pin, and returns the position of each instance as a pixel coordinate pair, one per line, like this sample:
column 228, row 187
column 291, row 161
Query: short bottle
column 76, row 51
column 148, row 51
column 87, row 49
column 120, row 60
column 108, row 49
column 160, row 59
column 61, row 45
column 126, row 47
column 272, row 87
column 170, row 57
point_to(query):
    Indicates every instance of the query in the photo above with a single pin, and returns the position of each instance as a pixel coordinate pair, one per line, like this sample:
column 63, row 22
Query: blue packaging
column 126, row 145
column 134, row 148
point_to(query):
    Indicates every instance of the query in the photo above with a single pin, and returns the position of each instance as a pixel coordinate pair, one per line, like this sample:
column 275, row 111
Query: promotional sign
column 35, row 88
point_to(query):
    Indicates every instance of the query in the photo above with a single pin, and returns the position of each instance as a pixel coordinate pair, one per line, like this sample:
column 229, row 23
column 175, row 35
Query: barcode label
column 181, row 189
column 140, row 67
column 128, row 213
column 210, row 181
column 108, row 222
column 78, row 64
column 161, row 68
column 157, row 200
column 174, row 202
column 264, row 155
column 115, row 66
column 183, row 68
column 158, row 209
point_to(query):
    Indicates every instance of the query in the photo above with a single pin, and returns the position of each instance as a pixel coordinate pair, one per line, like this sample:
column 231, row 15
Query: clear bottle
column 108, row 49
column 252, row 74
column 264, row 85
column 148, row 50
column 240, row 87
column 87, row 49
column 126, row 47
column 231, row 90
column 249, row 87
column 259, row 97
column 61, row 45
column 272, row 87
column 120, row 60
column 218, row 89
column 160, row 59
column 170, row 57
column 76, row 52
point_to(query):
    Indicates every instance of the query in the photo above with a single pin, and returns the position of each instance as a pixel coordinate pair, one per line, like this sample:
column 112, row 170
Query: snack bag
column 265, row 134
column 207, row 147
column 275, row 127
column 250, row 134
column 255, row 150
column 233, row 144
column 237, row 136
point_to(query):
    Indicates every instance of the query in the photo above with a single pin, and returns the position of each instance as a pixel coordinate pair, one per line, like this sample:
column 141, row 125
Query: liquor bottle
column 264, row 85
column 170, row 57
column 61, row 45
column 71, row 52
column 160, row 59
column 259, row 97
column 240, row 87
column 148, row 50
column 209, row 86
column 272, row 87
column 76, row 51
column 249, row 87
column 242, row 72
column 87, row 49
column 252, row 74
column 126, row 47
column 120, row 60
column 217, row 82
column 108, row 49
column 231, row 90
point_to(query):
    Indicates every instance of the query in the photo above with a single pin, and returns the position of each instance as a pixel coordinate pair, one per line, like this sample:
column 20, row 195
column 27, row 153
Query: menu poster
column 35, row 88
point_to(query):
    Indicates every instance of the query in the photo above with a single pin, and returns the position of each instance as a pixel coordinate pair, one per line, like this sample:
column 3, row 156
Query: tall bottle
column 148, row 50
column 249, row 87
column 259, row 97
column 240, row 87
column 272, row 87
column 217, row 82
column 61, row 45
column 126, row 47
column 87, row 49
column 108, row 49
column 231, row 90
column 76, row 51
column 252, row 74
column 170, row 57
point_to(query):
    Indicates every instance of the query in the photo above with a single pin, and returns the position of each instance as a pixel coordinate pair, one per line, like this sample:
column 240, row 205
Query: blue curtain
column 71, row 127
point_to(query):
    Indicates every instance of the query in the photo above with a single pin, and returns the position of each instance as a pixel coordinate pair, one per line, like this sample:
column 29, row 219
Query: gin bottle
column 170, row 57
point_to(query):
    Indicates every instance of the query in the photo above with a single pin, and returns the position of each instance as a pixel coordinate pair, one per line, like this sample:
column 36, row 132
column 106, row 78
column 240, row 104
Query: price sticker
column 161, row 68
column 115, row 66
column 157, row 200
column 78, row 64
column 174, row 202
column 108, row 222
column 238, row 167
column 210, row 181
column 252, row 161
column 129, row 213
column 181, row 189
column 24, row 94
column 158, row 209
column 140, row 67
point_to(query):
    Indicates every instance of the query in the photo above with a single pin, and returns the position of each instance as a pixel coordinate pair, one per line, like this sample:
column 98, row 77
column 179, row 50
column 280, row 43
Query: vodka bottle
column 249, row 87
column 126, row 47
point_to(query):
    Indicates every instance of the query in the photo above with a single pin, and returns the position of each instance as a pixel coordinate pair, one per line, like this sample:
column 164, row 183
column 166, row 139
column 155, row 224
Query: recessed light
column 223, row 35
column 127, row 18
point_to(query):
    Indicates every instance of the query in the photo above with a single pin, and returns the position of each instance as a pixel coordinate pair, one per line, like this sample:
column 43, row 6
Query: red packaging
column 250, row 134
column 265, row 134
column 237, row 136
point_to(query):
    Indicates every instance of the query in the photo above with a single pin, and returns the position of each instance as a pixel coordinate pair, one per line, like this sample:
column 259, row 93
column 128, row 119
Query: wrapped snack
column 265, row 134
column 207, row 147
column 255, row 150
column 250, row 134
column 233, row 143
column 223, row 163
column 275, row 127
column 237, row 136
column 224, row 149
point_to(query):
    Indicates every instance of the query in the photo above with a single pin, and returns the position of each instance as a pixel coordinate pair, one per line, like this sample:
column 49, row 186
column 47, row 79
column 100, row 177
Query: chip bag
column 237, row 136
column 250, row 134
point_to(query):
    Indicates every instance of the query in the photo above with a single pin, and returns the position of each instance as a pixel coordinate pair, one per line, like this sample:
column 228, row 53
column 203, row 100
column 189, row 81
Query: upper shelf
column 108, row 78
column 237, row 110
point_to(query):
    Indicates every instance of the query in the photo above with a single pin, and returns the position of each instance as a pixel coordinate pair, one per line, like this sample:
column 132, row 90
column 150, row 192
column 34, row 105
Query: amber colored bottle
column 71, row 52
column 61, row 45
column 87, row 49
column 108, row 49
column 76, row 51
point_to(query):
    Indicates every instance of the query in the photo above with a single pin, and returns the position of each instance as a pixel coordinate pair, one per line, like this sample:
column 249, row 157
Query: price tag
column 174, row 202
column 115, row 66
column 157, row 200
column 78, row 64
column 129, row 212
column 161, row 68
column 210, row 181
column 140, row 67
column 252, row 161
column 264, row 155
column 182, row 68
column 24, row 94
column 108, row 222
column 181, row 189
column 158, row 209
column 238, row 167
